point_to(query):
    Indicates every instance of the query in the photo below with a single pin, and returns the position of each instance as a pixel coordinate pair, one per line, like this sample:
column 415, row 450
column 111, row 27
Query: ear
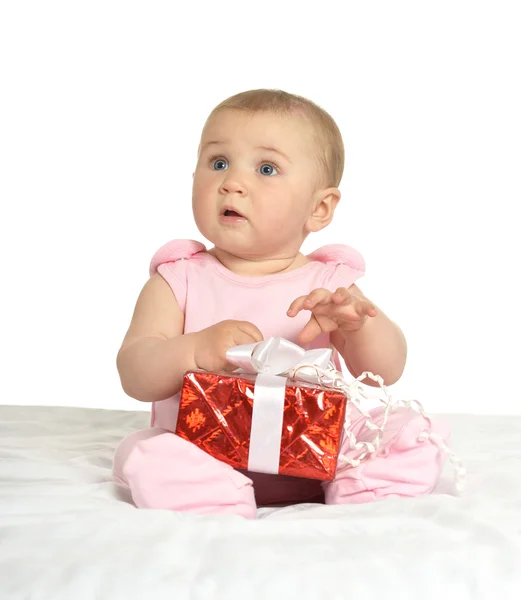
column 324, row 204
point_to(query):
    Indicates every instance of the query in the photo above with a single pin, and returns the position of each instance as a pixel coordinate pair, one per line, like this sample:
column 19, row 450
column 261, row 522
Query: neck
column 258, row 266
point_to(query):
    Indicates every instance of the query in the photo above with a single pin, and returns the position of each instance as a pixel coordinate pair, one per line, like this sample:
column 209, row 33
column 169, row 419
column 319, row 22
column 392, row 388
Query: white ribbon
column 274, row 359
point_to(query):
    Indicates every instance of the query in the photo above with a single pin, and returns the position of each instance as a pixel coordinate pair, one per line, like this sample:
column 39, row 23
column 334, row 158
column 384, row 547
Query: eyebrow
column 268, row 148
column 271, row 149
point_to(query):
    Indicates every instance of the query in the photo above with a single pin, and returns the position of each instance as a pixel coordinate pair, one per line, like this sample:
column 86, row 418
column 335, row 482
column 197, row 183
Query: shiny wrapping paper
column 216, row 415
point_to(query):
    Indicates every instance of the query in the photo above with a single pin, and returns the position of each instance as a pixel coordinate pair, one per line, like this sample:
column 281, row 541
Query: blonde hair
column 326, row 132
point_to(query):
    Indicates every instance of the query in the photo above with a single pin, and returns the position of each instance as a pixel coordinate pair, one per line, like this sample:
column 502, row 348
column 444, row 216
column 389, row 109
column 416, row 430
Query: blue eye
column 220, row 165
column 268, row 169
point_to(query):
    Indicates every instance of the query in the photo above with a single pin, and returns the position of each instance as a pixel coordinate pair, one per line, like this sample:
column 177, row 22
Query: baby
column 267, row 175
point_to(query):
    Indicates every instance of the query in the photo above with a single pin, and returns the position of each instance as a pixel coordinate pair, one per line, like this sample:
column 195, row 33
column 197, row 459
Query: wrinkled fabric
column 68, row 532
column 164, row 471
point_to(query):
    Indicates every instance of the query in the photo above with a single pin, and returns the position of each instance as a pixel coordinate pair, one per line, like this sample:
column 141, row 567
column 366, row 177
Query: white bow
column 276, row 359
column 280, row 357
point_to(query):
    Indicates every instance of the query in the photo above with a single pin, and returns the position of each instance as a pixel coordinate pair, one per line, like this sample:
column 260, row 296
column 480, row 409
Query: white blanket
column 67, row 532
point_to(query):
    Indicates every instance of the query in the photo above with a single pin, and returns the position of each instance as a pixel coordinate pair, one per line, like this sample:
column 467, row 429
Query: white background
column 101, row 109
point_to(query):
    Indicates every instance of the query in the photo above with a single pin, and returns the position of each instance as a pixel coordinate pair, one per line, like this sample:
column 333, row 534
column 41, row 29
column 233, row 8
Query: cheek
column 198, row 184
column 202, row 190
column 280, row 217
column 200, row 197
column 285, row 205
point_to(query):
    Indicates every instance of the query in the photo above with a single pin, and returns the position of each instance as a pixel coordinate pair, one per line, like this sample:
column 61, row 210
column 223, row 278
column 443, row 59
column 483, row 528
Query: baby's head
column 274, row 159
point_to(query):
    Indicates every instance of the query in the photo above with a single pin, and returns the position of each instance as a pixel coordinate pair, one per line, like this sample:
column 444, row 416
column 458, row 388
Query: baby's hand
column 213, row 342
column 345, row 309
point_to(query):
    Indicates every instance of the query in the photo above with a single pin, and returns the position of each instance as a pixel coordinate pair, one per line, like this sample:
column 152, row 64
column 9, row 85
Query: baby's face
column 263, row 167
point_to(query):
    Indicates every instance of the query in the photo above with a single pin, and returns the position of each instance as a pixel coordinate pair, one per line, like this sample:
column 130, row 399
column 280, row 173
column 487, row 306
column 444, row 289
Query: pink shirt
column 208, row 292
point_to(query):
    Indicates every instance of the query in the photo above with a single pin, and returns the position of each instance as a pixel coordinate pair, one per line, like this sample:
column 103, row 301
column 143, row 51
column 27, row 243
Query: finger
column 342, row 296
column 296, row 306
column 372, row 312
column 353, row 315
column 251, row 332
column 366, row 308
column 318, row 296
column 358, row 312
column 308, row 302
column 326, row 323
column 310, row 331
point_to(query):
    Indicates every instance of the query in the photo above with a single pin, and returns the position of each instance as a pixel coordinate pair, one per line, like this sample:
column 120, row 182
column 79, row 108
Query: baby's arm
column 378, row 346
column 365, row 337
column 155, row 354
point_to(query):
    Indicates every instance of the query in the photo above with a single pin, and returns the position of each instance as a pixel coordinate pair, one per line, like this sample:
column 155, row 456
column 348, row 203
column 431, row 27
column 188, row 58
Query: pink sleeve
column 348, row 265
column 170, row 262
column 174, row 250
column 342, row 276
column 174, row 273
column 336, row 254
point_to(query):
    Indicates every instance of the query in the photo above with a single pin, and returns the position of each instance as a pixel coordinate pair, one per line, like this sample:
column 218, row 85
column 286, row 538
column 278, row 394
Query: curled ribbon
column 276, row 359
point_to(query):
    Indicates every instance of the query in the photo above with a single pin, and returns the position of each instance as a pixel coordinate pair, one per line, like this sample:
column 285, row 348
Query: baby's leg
column 164, row 471
column 404, row 466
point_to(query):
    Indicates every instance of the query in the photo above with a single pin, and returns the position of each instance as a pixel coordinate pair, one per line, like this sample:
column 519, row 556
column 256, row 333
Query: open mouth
column 231, row 213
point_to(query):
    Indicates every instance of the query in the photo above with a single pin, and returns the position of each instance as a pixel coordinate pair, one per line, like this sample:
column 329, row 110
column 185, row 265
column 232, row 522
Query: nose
column 232, row 185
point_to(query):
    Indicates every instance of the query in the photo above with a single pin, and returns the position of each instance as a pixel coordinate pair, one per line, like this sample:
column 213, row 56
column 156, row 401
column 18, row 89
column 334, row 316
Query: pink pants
column 166, row 472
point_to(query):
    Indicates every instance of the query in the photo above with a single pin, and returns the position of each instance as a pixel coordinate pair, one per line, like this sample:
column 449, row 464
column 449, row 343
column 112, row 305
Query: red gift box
column 216, row 413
